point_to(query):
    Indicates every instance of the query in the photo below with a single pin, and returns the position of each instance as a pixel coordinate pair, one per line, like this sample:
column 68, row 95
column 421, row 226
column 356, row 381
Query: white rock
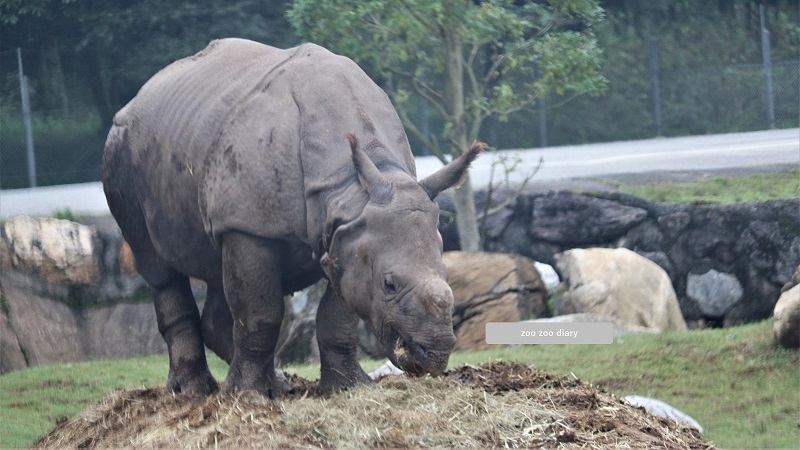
column 787, row 318
column 548, row 274
column 618, row 283
column 58, row 250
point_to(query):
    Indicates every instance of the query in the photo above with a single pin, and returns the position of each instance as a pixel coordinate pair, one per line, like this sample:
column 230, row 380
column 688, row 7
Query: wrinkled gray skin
column 259, row 171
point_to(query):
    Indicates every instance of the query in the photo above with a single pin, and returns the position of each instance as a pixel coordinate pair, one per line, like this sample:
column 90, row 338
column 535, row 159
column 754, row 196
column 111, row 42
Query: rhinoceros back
column 248, row 137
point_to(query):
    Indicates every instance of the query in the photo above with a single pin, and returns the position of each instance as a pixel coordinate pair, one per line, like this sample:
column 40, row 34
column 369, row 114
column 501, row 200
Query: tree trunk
column 94, row 74
column 52, row 76
column 466, row 220
column 463, row 200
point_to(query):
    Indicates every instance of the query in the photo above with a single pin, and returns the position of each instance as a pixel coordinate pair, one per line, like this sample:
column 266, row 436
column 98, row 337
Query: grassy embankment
column 735, row 382
column 752, row 188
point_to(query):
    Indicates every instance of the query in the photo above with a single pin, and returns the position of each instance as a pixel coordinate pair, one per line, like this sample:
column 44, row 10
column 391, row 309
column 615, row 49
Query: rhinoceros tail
column 452, row 174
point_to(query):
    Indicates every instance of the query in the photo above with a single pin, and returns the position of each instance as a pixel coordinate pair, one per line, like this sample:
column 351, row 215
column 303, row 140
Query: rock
column 794, row 281
column 59, row 251
column 11, row 355
column 300, row 345
column 297, row 343
column 492, row 287
column 618, row 283
column 548, row 275
column 621, row 328
column 48, row 331
column 126, row 260
column 575, row 220
column 661, row 409
column 714, row 292
column 787, row 318
column 758, row 243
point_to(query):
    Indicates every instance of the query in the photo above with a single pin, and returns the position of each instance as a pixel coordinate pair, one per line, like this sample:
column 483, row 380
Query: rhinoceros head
column 387, row 263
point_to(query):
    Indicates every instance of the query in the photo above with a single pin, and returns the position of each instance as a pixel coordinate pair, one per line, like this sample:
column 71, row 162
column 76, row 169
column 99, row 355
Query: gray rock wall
column 67, row 294
column 727, row 263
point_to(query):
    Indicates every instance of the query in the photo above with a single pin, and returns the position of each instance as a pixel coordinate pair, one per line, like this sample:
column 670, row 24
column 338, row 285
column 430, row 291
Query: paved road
column 754, row 150
column 713, row 152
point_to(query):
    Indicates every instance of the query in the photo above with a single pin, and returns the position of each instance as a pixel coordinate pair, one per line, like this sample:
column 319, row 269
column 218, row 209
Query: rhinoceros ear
column 453, row 173
column 380, row 190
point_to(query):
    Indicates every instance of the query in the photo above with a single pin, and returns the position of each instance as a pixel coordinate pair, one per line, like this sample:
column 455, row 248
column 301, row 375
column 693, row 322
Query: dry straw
column 497, row 404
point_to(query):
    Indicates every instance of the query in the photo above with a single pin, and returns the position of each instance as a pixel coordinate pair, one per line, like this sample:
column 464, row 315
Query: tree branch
column 525, row 44
column 499, row 207
column 435, row 29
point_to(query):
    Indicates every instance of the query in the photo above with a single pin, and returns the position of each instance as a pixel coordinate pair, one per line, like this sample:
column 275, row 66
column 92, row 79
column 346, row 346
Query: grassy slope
column 744, row 391
column 753, row 188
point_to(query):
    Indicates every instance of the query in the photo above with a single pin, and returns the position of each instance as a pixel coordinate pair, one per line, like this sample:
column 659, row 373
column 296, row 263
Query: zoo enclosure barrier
column 61, row 141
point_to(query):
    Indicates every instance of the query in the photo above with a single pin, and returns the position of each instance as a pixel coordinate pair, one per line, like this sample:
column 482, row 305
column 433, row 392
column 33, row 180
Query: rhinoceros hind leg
column 338, row 339
column 176, row 309
column 179, row 324
column 252, row 281
column 218, row 324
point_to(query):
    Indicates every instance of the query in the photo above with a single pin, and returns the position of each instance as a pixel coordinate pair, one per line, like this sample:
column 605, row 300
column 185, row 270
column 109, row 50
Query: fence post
column 541, row 108
column 655, row 79
column 26, row 118
column 767, row 59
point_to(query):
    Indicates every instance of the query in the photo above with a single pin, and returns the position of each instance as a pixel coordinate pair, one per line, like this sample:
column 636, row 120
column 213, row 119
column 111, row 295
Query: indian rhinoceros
column 259, row 171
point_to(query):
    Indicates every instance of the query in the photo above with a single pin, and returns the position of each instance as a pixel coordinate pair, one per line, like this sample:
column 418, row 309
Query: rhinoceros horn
column 453, row 173
column 380, row 190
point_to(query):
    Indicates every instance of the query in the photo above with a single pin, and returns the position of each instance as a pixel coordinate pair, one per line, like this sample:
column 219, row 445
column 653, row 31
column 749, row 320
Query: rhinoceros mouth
column 406, row 354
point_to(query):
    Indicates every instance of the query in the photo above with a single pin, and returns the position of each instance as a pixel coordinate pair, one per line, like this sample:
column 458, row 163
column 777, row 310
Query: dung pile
column 497, row 404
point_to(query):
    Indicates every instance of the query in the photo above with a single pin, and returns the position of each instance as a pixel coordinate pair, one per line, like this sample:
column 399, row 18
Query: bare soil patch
column 496, row 404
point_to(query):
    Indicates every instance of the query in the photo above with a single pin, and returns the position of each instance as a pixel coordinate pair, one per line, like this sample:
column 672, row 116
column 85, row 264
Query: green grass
column 752, row 188
column 734, row 381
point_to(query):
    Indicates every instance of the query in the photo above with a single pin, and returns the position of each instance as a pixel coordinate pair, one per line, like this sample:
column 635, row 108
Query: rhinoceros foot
column 202, row 383
column 270, row 383
column 343, row 376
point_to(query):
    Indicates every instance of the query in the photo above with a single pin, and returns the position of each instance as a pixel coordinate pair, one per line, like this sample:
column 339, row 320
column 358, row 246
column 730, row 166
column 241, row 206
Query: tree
column 111, row 47
column 470, row 60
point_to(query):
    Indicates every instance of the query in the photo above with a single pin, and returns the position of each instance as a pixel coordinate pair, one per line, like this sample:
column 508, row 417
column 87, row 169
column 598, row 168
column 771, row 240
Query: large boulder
column 60, row 251
column 492, row 287
column 786, row 321
column 572, row 220
column 618, row 283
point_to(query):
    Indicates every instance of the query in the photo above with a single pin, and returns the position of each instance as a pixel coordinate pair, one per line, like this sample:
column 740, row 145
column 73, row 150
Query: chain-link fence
column 690, row 101
column 54, row 139
column 67, row 143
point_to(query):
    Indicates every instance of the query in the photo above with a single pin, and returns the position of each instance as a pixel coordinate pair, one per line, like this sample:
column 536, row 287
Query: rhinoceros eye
column 389, row 285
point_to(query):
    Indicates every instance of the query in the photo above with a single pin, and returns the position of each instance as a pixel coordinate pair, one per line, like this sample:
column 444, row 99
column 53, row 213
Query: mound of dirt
column 498, row 404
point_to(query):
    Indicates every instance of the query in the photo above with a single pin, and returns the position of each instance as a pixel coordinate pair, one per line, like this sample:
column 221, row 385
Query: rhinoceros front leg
column 251, row 278
column 337, row 336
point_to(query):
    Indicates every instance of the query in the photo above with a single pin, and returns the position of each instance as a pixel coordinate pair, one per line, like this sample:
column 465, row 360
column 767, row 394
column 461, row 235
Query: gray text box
column 511, row 333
